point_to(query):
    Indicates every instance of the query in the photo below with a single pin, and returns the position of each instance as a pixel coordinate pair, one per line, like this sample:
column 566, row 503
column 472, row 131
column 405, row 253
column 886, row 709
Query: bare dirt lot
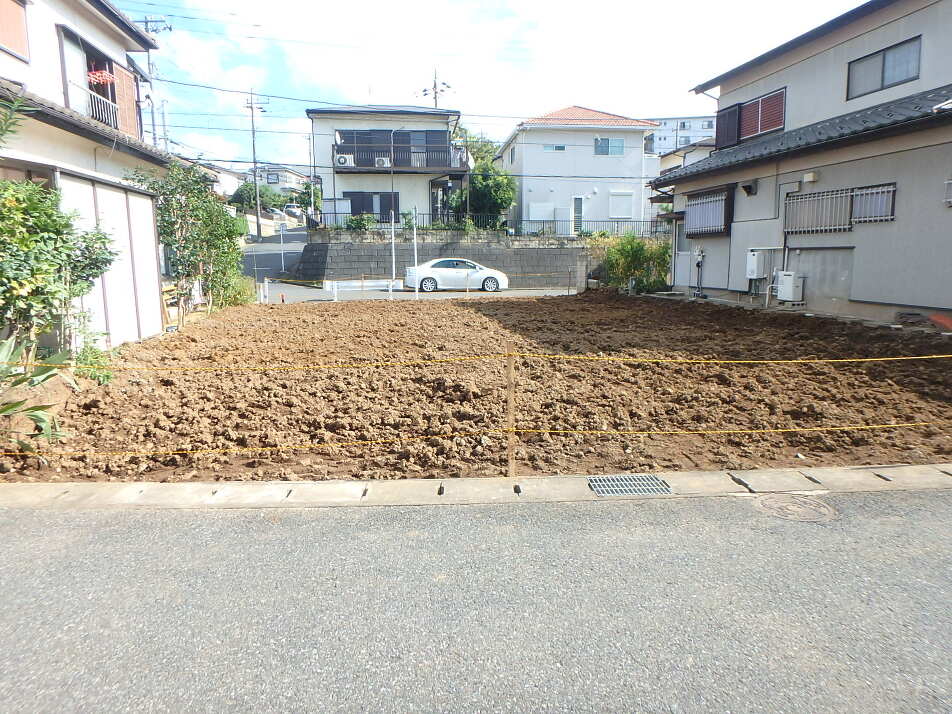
column 227, row 417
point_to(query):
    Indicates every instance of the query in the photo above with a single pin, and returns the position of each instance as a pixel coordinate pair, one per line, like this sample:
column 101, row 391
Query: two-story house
column 576, row 170
column 829, row 184
column 69, row 60
column 281, row 178
column 387, row 160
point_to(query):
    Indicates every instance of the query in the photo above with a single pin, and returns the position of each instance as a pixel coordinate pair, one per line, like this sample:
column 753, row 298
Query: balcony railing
column 93, row 105
column 383, row 157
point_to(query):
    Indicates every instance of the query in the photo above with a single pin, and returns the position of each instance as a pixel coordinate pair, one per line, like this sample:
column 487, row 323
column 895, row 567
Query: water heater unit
column 756, row 264
column 789, row 286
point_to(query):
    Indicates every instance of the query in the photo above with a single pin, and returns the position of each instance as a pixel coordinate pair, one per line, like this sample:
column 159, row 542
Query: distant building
column 576, row 170
column 227, row 181
column 674, row 132
column 279, row 177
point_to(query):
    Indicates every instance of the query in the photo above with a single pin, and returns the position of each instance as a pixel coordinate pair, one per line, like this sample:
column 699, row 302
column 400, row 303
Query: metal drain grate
column 628, row 485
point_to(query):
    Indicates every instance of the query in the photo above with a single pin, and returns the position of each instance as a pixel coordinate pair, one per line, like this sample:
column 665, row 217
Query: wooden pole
column 511, row 408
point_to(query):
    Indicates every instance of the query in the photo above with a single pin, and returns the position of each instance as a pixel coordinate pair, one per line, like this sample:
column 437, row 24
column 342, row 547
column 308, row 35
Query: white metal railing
column 95, row 106
column 839, row 209
column 706, row 213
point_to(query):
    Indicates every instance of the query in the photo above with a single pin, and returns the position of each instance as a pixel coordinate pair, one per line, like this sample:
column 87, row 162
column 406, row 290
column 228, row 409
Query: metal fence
column 492, row 222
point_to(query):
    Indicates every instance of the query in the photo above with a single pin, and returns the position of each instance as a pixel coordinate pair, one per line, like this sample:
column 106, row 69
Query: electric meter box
column 756, row 264
column 789, row 286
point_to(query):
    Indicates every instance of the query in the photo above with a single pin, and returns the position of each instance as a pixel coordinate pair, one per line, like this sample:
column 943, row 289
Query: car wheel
column 490, row 285
column 428, row 285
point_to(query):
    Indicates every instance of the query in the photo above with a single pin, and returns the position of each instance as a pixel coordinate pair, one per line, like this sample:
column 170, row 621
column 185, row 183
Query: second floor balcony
column 400, row 158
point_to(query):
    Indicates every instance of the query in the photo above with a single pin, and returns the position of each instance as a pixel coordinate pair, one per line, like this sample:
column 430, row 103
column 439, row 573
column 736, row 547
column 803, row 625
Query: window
column 13, row 37
column 553, row 147
column 609, row 147
column 707, row 124
column 839, row 210
column 274, row 178
column 512, row 154
column 619, row 205
column 684, row 125
column 763, row 114
column 684, row 140
column 455, row 265
column 709, row 213
column 887, row 68
column 377, row 203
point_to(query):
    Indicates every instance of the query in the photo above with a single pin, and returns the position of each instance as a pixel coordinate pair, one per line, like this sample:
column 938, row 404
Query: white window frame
column 621, row 194
column 553, row 147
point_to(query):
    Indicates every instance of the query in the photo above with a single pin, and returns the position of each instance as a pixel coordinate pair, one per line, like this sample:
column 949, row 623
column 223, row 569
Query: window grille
column 707, row 213
column 838, row 210
column 874, row 204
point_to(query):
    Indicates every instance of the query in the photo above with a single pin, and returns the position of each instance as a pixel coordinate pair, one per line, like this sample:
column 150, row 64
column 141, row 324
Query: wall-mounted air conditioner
column 382, row 162
column 345, row 160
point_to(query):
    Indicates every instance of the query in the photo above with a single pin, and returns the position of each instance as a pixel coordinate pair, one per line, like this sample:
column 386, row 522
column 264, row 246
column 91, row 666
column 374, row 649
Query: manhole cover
column 628, row 485
column 796, row 508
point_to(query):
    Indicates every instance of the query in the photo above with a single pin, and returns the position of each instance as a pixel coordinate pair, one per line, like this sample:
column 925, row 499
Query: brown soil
column 163, row 411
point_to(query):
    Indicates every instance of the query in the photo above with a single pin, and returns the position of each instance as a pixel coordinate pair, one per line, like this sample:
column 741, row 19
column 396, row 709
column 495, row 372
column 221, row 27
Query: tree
column 46, row 263
column 11, row 116
column 244, row 197
column 201, row 234
column 481, row 148
column 491, row 191
column 303, row 197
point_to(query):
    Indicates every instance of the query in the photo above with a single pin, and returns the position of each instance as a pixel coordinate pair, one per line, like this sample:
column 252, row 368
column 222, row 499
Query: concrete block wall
column 526, row 267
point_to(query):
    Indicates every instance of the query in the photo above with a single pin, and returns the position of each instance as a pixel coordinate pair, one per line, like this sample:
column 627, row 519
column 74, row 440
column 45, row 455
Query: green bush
column 363, row 223
column 95, row 363
column 239, row 290
column 646, row 260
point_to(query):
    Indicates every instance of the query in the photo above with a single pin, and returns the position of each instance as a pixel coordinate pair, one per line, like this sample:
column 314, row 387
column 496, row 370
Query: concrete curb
column 420, row 492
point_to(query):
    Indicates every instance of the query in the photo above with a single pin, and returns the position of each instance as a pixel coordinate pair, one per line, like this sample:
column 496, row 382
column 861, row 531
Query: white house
column 577, row 169
column 69, row 60
column 227, row 181
column 378, row 159
column 280, row 178
column 676, row 132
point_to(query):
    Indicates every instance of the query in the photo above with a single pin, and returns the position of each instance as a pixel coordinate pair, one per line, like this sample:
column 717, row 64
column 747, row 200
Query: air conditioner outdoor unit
column 789, row 286
column 382, row 162
column 345, row 160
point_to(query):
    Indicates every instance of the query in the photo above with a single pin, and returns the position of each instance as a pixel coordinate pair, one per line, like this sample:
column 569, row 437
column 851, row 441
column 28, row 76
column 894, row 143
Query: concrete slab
column 849, row 479
column 556, row 489
column 771, row 480
column 323, row 493
column 915, row 476
column 404, row 492
column 481, row 490
column 250, row 495
column 701, row 482
column 29, row 495
column 945, row 468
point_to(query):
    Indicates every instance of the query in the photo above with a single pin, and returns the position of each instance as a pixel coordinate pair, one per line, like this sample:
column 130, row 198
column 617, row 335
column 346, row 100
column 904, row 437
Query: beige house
column 69, row 60
column 829, row 186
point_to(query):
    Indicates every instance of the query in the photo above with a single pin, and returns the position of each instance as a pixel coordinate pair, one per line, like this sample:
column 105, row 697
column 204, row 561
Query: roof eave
column 129, row 28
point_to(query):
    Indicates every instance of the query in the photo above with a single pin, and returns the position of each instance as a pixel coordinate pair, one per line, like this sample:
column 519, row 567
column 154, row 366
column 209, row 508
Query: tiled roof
column 383, row 109
column 583, row 116
column 51, row 113
column 890, row 116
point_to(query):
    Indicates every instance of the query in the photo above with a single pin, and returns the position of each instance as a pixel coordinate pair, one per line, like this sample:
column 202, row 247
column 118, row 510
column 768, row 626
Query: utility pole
column 153, row 25
column 165, row 128
column 436, row 89
column 310, row 157
column 255, row 106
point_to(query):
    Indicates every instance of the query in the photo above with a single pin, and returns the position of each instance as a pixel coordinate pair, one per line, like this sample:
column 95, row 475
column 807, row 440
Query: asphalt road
column 669, row 605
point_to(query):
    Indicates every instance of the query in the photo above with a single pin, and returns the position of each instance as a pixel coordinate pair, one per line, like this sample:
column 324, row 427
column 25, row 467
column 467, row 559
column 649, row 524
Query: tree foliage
column 481, row 148
column 491, row 191
column 303, row 197
column 244, row 197
column 45, row 263
column 201, row 235
column 11, row 116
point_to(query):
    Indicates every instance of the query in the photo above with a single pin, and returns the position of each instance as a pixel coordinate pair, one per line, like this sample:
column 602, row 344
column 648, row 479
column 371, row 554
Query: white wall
column 42, row 75
column 816, row 75
column 667, row 136
column 533, row 164
column 414, row 189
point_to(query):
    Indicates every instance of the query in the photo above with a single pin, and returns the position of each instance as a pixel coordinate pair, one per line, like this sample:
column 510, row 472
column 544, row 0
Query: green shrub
column 95, row 363
column 239, row 290
column 646, row 260
column 362, row 223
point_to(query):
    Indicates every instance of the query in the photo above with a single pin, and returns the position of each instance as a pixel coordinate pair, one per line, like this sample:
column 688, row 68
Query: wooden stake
column 511, row 407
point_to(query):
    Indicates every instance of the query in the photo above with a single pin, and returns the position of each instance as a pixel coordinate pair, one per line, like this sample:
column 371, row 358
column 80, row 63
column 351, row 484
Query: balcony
column 400, row 158
column 93, row 105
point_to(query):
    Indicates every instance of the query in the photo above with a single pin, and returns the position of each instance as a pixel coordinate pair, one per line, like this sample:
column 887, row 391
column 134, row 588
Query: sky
column 503, row 61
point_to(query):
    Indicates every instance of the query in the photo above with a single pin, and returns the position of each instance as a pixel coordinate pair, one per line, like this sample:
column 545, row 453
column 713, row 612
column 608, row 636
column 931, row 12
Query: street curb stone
column 419, row 492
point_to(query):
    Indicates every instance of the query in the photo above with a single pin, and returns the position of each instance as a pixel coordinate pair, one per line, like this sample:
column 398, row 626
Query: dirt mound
column 222, row 419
